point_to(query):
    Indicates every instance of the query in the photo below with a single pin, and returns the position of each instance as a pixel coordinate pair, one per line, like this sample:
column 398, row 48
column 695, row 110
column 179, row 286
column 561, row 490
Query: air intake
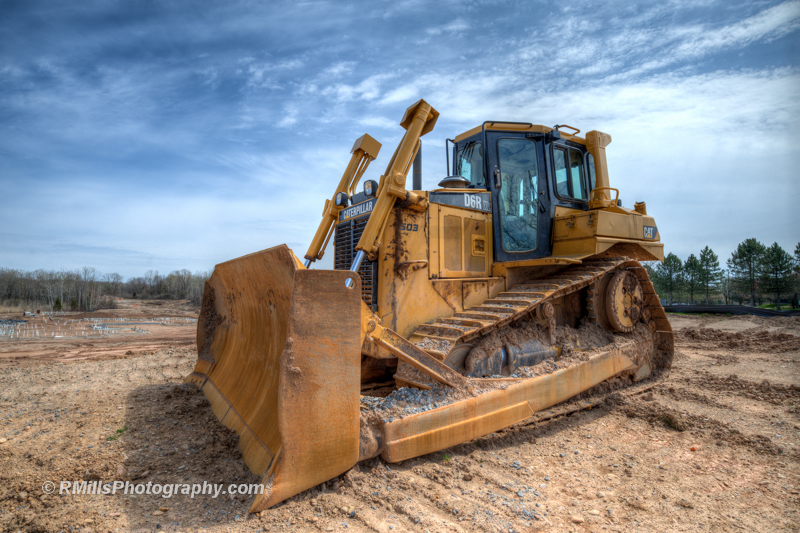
column 345, row 240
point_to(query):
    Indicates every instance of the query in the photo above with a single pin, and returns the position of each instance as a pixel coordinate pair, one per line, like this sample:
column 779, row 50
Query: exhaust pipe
column 417, row 177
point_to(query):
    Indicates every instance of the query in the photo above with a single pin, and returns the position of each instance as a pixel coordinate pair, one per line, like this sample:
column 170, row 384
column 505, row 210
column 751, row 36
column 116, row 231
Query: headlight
column 342, row 199
column 370, row 187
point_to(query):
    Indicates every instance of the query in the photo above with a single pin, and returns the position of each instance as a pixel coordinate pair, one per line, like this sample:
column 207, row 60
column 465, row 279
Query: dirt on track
column 714, row 447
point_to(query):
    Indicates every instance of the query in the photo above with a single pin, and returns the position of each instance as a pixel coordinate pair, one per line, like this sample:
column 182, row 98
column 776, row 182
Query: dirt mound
column 692, row 396
column 749, row 340
column 662, row 415
column 764, row 391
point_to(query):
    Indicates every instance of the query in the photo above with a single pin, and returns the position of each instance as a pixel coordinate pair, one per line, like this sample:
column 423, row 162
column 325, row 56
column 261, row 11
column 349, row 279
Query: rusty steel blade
column 320, row 385
column 279, row 351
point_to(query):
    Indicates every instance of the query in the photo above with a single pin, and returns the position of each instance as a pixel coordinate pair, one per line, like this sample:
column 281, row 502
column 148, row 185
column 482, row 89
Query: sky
column 173, row 134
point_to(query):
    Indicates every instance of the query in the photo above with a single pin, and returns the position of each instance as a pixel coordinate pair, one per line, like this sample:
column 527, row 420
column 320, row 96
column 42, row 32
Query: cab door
column 520, row 202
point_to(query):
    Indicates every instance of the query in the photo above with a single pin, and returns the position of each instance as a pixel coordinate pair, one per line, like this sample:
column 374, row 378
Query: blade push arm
column 418, row 120
column 364, row 151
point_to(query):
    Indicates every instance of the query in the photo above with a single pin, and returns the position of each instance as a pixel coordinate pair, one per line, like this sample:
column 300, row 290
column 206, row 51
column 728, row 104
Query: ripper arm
column 364, row 151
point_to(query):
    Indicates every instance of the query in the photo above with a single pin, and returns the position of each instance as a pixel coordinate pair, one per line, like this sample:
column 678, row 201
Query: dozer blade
column 279, row 360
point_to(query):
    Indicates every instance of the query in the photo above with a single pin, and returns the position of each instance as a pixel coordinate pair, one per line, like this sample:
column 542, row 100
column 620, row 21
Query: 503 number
column 409, row 227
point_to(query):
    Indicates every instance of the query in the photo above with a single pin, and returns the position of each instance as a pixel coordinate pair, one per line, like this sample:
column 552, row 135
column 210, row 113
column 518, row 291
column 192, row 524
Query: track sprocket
column 624, row 301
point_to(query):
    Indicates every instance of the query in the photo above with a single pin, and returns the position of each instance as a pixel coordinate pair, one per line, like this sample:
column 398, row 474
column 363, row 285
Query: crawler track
column 525, row 300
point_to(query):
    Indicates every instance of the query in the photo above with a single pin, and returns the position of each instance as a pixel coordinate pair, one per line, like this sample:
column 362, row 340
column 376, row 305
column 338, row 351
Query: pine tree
column 691, row 273
column 667, row 277
column 777, row 272
column 709, row 271
column 57, row 306
column 744, row 265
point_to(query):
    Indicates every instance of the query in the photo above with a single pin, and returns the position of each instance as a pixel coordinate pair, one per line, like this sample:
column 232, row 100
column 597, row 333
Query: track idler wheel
column 624, row 301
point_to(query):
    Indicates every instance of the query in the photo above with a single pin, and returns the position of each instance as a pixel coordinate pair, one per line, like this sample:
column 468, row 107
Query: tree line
column 87, row 289
column 755, row 273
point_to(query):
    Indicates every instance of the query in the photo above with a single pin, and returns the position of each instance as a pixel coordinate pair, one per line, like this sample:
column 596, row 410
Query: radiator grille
column 345, row 240
column 452, row 243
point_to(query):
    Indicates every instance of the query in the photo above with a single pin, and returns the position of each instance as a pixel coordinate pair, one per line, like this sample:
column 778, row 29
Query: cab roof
column 522, row 127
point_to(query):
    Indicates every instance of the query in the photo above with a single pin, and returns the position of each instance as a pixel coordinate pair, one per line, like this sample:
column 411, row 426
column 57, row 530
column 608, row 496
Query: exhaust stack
column 417, row 181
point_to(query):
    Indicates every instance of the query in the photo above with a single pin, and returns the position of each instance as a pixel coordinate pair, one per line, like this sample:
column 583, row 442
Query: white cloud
column 769, row 24
column 632, row 47
column 368, row 89
column 339, row 69
column 379, row 122
column 263, row 75
column 458, row 26
column 289, row 117
column 405, row 93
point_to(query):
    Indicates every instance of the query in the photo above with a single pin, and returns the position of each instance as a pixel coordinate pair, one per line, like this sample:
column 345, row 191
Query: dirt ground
column 69, row 337
column 714, row 447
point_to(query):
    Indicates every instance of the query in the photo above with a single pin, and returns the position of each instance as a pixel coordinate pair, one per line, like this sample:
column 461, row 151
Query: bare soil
column 713, row 447
column 160, row 323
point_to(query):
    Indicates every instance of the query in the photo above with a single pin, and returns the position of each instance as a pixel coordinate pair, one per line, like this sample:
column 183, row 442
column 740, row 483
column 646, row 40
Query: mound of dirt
column 764, row 391
column 752, row 340
column 662, row 415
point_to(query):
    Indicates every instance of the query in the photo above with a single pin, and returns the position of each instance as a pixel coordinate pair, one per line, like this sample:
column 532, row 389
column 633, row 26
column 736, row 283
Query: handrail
column 577, row 131
column 598, row 199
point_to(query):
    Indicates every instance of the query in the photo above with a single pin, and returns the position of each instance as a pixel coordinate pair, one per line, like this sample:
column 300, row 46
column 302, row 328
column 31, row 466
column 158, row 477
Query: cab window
column 518, row 195
column 570, row 181
column 562, row 179
column 469, row 164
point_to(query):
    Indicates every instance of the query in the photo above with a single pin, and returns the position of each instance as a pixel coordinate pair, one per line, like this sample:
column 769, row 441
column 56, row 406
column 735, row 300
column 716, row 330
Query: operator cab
column 530, row 170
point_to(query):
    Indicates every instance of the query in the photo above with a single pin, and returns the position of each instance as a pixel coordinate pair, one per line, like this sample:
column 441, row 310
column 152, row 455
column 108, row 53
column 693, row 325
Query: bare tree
column 137, row 286
column 113, row 282
column 84, row 288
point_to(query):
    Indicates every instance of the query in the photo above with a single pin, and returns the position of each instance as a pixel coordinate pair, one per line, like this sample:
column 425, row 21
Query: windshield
column 469, row 163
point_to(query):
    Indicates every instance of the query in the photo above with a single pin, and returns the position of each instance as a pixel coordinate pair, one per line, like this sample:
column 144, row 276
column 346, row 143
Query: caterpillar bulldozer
column 449, row 314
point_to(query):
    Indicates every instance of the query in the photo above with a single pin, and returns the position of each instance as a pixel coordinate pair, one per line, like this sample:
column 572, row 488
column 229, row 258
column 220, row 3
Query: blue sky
column 166, row 135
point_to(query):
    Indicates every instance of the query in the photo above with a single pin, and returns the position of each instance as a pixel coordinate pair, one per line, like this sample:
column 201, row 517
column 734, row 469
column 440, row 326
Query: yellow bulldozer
column 449, row 314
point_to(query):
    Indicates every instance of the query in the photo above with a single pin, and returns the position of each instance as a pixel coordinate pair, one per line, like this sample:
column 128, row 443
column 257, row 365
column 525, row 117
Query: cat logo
column 650, row 232
column 357, row 210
